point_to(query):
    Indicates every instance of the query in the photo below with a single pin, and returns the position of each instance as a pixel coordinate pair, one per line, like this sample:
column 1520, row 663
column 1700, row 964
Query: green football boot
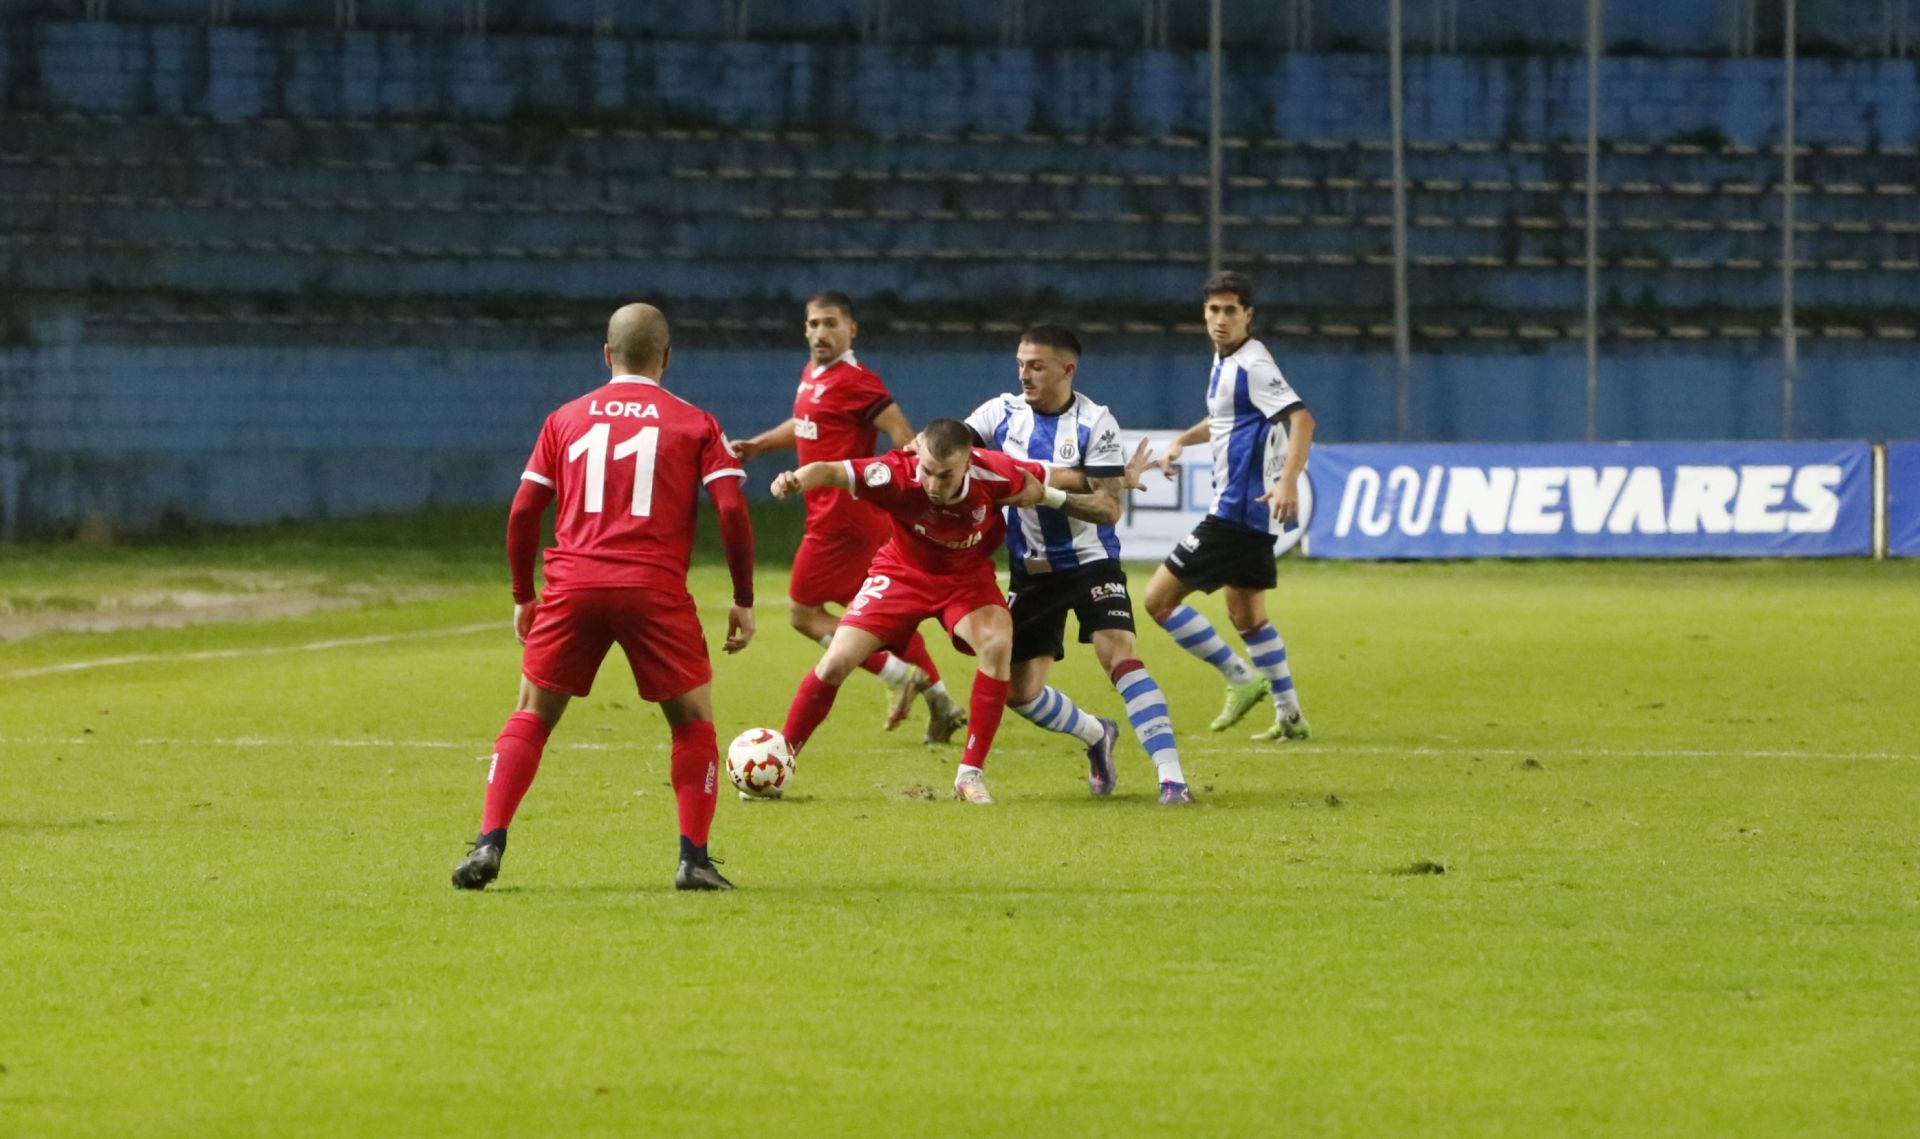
column 1287, row 726
column 1240, row 698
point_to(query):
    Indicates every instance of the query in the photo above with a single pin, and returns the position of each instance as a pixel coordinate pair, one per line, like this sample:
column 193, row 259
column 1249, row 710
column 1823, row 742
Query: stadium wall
column 241, row 435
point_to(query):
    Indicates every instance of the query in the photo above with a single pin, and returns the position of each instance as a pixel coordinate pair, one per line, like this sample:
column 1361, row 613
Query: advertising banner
column 1569, row 500
column 1903, row 500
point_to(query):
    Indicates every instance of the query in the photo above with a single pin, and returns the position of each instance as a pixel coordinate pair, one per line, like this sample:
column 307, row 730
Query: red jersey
column 942, row 538
column 833, row 419
column 627, row 462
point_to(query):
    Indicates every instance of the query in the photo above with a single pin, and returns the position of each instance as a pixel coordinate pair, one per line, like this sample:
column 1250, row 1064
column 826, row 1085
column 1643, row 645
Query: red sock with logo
column 516, row 758
column 810, row 706
column 983, row 717
column 696, row 778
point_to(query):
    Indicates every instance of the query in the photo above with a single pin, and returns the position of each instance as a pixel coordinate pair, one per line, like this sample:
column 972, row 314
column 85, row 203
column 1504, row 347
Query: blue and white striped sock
column 1053, row 711
column 1197, row 635
column 1270, row 657
column 1147, row 712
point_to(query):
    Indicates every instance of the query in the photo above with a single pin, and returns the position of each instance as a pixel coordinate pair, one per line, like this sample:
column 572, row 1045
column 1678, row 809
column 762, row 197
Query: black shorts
column 1220, row 553
column 1097, row 595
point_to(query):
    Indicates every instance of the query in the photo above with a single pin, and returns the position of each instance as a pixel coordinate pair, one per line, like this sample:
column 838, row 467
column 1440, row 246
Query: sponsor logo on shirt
column 971, row 541
column 805, row 428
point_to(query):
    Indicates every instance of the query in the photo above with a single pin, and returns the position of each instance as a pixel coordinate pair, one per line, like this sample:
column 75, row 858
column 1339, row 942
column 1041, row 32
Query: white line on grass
column 1309, row 749
column 261, row 650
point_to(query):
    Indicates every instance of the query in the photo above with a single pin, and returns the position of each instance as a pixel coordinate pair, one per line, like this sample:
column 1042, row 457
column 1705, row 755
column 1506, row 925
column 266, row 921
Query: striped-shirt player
column 1066, row 558
column 1260, row 432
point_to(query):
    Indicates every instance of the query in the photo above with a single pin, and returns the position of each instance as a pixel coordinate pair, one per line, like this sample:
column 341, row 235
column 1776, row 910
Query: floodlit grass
column 1620, row 849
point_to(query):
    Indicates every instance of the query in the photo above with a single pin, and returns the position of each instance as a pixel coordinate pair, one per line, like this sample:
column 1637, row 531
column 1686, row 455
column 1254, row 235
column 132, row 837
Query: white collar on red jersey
column 845, row 358
column 630, row 379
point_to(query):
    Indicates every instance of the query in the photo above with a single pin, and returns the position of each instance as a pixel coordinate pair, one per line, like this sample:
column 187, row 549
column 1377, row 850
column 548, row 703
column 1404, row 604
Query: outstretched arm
column 1180, row 443
column 772, row 439
column 813, row 476
column 523, row 549
column 736, row 538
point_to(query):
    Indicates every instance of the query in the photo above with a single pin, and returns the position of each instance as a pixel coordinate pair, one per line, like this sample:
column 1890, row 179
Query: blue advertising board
column 1903, row 500
column 1574, row 500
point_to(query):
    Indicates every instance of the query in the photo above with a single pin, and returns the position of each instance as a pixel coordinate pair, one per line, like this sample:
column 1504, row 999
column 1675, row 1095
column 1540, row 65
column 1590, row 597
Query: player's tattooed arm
column 779, row 438
column 1181, row 442
column 813, row 476
column 1100, row 504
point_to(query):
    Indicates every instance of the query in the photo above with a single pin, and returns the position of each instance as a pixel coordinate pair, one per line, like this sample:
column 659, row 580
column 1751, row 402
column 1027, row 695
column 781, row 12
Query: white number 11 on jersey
column 642, row 446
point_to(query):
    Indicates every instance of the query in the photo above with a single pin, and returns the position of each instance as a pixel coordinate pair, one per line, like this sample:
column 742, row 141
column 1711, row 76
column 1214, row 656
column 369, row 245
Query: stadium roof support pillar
column 1402, row 348
column 1789, row 347
column 1213, row 138
column 1593, row 217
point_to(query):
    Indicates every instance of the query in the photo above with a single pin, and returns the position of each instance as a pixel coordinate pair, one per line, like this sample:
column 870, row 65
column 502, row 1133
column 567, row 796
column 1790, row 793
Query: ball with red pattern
column 760, row 763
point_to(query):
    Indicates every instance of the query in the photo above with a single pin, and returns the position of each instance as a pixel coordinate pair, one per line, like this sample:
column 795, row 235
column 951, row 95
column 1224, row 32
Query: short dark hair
column 1056, row 336
column 946, row 436
column 832, row 298
column 1239, row 284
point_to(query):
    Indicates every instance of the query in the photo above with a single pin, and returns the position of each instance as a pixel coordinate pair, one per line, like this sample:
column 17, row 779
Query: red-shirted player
column 945, row 502
column 627, row 462
column 839, row 409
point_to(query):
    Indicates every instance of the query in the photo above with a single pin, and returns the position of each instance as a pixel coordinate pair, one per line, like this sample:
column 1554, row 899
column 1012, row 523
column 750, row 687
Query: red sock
column 516, row 757
column 810, row 706
column 918, row 655
column 877, row 661
column 983, row 717
column 696, row 776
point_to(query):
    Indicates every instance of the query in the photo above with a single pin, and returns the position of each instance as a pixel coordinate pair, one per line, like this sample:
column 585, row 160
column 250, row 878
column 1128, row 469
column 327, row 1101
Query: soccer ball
column 760, row 763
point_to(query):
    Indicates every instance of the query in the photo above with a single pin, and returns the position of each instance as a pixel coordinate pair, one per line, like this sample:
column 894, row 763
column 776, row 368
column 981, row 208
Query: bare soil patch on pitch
column 177, row 601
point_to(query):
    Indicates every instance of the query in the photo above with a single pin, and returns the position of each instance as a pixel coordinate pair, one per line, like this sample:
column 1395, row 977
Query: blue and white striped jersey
column 1244, row 396
column 1083, row 435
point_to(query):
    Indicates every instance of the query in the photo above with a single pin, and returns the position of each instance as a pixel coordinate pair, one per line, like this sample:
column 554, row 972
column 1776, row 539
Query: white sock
column 893, row 672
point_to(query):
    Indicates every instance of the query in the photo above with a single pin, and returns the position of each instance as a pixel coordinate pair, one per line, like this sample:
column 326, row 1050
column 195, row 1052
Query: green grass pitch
column 1672, row 806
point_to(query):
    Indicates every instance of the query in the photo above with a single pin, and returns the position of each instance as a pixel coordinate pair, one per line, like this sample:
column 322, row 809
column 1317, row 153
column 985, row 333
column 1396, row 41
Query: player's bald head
column 637, row 339
column 946, row 438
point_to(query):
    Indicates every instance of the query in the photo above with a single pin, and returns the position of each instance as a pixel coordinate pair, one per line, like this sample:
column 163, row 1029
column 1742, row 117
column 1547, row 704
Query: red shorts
column 895, row 599
column 830, row 565
column 660, row 633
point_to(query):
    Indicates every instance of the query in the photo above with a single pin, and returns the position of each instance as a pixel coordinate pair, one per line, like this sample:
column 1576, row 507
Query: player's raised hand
column 523, row 619
column 1284, row 497
column 1136, row 468
column 786, row 483
column 1168, row 457
column 739, row 628
column 744, row 449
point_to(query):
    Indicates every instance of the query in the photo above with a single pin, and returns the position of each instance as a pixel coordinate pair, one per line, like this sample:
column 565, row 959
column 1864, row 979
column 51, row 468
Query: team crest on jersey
column 1068, row 452
column 878, row 475
column 979, row 515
